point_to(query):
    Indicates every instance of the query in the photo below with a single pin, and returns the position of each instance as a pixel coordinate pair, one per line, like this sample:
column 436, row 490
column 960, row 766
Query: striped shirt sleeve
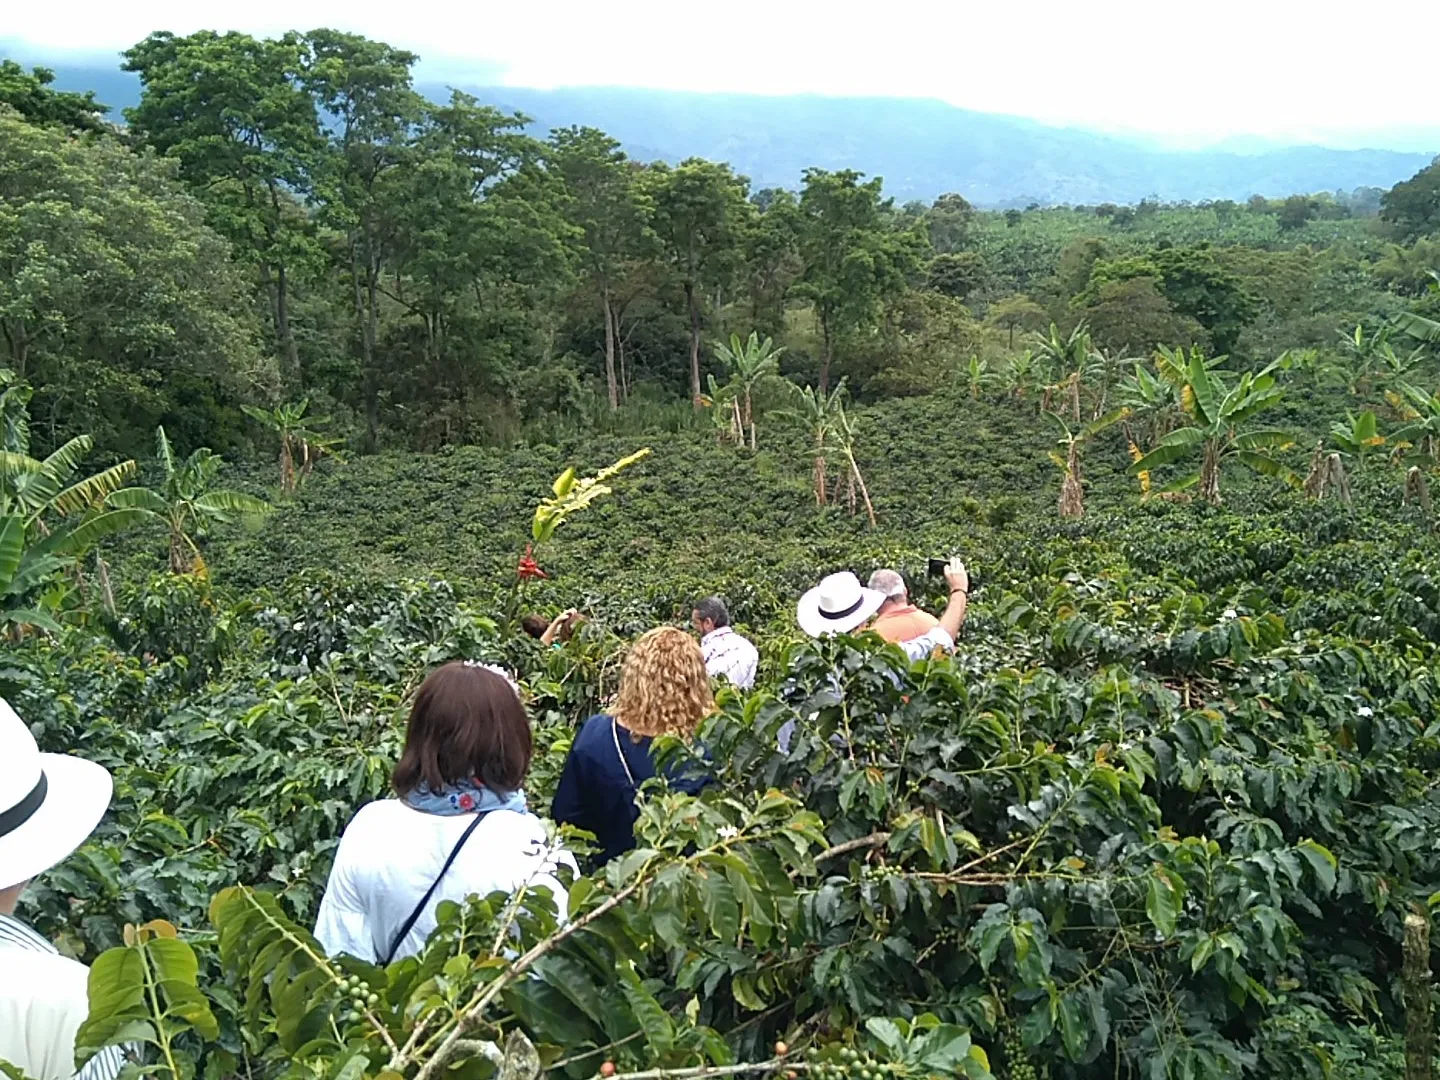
column 14, row 934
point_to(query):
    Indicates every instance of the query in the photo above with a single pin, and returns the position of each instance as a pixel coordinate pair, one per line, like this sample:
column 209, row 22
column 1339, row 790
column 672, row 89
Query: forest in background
column 296, row 222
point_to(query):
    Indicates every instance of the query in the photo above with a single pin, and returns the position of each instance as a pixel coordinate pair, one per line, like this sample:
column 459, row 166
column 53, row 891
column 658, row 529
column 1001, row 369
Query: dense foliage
column 428, row 272
column 1163, row 815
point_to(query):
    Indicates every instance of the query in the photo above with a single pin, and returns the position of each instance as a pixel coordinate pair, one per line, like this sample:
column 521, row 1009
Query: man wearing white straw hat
column 49, row 804
column 840, row 605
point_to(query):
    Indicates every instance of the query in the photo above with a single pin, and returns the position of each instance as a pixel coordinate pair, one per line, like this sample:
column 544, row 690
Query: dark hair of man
column 466, row 723
column 713, row 609
column 535, row 625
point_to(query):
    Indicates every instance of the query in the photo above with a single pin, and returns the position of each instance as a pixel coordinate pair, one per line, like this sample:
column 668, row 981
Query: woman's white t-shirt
column 391, row 854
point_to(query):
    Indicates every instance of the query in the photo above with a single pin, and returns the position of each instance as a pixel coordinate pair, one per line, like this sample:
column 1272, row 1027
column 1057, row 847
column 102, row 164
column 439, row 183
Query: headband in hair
column 496, row 670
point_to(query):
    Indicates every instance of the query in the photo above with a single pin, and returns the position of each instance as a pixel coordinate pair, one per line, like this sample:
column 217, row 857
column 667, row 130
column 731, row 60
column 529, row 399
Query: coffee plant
column 1163, row 815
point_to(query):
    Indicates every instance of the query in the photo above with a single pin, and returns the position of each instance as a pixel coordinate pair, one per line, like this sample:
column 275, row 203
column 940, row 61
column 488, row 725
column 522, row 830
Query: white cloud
column 1187, row 72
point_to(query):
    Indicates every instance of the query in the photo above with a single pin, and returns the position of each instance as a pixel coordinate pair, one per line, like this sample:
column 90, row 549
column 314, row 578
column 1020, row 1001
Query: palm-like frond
column 137, row 498
column 1418, row 327
column 77, row 538
column 93, row 490
column 164, row 452
column 65, row 462
column 12, row 545
column 28, row 617
column 1178, row 444
column 1268, row 439
column 217, row 503
column 1268, row 466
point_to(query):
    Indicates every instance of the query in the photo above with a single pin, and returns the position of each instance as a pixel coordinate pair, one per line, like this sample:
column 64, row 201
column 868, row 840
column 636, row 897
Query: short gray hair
column 713, row 609
column 890, row 584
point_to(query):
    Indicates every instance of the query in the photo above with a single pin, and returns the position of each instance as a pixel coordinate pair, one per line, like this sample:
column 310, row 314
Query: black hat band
column 25, row 809
column 843, row 614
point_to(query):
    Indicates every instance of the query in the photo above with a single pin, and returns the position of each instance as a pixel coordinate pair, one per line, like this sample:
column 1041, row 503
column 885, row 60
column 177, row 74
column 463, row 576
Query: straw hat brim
column 807, row 613
column 77, row 794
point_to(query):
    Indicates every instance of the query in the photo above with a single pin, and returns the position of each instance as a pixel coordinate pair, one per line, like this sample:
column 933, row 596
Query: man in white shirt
column 49, row 804
column 727, row 654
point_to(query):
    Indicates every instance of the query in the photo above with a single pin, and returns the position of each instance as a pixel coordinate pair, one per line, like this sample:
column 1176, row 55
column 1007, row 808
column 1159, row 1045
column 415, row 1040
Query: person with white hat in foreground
column 49, row 805
column 841, row 605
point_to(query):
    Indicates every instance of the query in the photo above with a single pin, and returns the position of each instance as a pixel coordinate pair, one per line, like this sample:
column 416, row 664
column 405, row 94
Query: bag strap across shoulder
column 410, row 922
column 624, row 761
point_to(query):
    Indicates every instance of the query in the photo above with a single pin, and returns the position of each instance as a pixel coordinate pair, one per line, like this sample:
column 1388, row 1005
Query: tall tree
column 854, row 259
column 364, row 90
column 231, row 110
column 1195, row 284
column 948, row 222
column 608, row 205
column 1412, row 206
column 1017, row 312
column 470, row 229
column 117, row 303
column 770, row 257
column 699, row 207
column 29, row 94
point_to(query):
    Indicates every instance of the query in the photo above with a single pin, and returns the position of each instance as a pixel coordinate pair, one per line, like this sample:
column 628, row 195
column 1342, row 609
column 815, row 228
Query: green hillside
column 286, row 405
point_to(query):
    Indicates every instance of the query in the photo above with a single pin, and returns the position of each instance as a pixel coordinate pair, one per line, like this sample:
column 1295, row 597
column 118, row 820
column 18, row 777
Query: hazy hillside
column 921, row 147
column 926, row 147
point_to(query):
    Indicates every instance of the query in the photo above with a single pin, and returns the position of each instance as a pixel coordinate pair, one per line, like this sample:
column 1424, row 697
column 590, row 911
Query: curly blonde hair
column 664, row 688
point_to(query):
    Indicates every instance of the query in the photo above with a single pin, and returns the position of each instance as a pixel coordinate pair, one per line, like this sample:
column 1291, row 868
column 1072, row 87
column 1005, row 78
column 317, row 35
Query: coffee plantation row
column 1163, row 815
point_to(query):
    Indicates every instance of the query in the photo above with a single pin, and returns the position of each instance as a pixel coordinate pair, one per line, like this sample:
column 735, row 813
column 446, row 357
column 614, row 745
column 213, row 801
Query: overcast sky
column 1186, row 71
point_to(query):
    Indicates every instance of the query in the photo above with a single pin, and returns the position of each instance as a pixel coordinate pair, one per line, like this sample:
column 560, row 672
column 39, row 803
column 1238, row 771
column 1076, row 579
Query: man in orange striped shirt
column 898, row 620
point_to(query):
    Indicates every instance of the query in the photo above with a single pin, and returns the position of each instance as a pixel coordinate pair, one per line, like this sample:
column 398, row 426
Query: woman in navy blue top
column 664, row 690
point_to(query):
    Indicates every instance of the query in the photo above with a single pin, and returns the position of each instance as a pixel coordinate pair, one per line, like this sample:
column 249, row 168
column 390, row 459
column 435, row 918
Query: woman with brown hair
column 664, row 690
column 459, row 827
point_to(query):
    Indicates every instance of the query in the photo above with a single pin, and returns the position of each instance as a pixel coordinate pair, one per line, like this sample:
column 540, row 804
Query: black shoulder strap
column 410, row 922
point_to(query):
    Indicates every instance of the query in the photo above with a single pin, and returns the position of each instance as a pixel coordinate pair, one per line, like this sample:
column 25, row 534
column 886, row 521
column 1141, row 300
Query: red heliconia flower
column 529, row 569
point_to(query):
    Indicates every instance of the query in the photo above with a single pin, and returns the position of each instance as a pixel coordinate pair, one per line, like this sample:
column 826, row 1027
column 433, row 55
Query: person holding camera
column 898, row 620
column 841, row 605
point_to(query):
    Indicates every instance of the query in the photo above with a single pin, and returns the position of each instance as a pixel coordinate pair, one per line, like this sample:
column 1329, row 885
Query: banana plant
column 1422, row 426
column 1426, row 331
column 818, row 410
column 301, row 442
column 1153, row 400
column 571, row 495
column 43, row 490
column 728, row 415
column 1358, row 437
column 979, row 378
column 1020, row 374
column 1072, row 491
column 1065, row 361
column 843, row 431
column 186, row 503
column 1217, row 412
column 751, row 365
column 49, row 513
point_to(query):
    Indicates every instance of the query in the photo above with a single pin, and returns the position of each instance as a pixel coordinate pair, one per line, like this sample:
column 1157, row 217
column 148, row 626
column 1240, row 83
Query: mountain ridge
column 922, row 147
